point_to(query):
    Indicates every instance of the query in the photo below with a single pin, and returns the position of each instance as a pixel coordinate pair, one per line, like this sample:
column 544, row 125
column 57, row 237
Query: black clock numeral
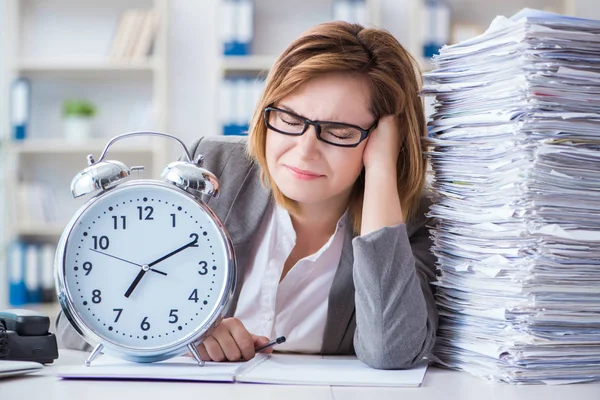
column 118, row 311
column 173, row 315
column 96, row 296
column 145, row 325
column 203, row 268
column 173, row 219
column 103, row 242
column 194, row 296
column 87, row 266
column 195, row 237
column 116, row 222
column 148, row 209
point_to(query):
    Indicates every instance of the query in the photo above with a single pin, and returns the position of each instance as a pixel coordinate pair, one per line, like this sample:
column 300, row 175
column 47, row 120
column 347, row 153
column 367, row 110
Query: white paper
column 331, row 371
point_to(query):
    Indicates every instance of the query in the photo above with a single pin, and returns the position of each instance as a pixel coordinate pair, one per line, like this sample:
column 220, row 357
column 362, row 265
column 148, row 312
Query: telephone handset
column 24, row 336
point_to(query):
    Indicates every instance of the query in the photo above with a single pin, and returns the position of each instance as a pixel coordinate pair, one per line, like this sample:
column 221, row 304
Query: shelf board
column 62, row 146
column 248, row 63
column 82, row 65
column 43, row 230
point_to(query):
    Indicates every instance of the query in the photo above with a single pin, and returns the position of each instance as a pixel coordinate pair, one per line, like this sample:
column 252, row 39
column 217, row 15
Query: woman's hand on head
column 231, row 341
column 383, row 145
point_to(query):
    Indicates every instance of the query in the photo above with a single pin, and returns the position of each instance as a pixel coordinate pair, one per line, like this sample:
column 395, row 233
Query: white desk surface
column 439, row 384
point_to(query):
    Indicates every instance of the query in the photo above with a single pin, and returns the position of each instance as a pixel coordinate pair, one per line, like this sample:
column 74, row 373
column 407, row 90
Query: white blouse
column 296, row 307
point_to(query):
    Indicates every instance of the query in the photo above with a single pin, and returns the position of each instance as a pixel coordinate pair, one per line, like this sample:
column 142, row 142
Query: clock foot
column 95, row 354
column 192, row 348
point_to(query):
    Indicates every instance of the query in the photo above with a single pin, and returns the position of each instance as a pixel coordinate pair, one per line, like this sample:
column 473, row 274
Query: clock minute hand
column 129, row 262
column 193, row 242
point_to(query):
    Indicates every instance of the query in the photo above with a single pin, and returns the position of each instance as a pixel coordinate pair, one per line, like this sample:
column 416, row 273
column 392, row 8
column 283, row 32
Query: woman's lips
column 303, row 174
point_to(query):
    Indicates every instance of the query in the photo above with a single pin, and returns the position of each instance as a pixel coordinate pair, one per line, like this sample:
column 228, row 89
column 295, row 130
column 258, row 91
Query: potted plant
column 78, row 116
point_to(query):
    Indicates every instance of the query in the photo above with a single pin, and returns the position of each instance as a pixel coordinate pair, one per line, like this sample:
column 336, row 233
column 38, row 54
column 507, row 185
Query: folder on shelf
column 32, row 274
column 20, row 108
column 16, row 274
column 238, row 99
column 288, row 369
column 47, row 273
column 237, row 26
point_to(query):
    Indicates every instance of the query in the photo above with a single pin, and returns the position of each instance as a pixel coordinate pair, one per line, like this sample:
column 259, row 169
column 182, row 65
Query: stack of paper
column 515, row 153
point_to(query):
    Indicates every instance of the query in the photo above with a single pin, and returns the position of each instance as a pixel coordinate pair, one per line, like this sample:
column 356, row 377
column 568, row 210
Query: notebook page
column 177, row 369
column 299, row 369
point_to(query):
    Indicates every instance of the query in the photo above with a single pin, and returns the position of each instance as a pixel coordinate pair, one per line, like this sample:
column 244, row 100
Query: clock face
column 145, row 267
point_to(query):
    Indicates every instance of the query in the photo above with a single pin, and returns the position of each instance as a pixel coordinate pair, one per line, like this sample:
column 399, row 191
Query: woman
column 324, row 206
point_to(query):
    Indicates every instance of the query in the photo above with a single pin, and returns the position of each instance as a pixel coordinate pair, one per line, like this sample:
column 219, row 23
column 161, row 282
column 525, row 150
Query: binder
column 436, row 20
column 245, row 26
column 237, row 27
column 16, row 274
column 227, row 104
column 47, row 273
column 32, row 274
column 20, row 108
column 227, row 26
column 242, row 99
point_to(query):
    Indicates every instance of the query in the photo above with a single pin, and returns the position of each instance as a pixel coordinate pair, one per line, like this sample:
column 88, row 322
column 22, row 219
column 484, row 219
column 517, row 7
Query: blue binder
column 17, row 291
column 20, row 101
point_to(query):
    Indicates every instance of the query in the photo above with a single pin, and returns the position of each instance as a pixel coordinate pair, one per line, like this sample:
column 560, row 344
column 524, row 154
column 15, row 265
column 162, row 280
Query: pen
column 271, row 343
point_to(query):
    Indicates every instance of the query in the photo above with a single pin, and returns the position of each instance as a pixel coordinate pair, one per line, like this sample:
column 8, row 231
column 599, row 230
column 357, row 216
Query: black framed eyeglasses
column 334, row 133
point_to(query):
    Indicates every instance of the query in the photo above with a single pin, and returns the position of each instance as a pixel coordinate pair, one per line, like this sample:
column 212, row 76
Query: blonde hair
column 394, row 80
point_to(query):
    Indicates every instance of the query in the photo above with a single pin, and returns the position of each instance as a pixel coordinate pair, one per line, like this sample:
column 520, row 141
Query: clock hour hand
column 135, row 282
column 193, row 242
column 129, row 262
column 148, row 267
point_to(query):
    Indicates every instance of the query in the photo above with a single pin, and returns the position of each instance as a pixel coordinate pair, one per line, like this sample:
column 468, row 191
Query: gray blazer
column 381, row 305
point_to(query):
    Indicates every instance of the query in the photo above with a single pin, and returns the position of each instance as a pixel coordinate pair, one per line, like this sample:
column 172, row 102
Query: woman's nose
column 309, row 141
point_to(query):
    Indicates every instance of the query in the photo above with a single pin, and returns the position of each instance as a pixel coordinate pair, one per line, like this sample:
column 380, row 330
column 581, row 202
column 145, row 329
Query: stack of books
column 135, row 36
column 515, row 153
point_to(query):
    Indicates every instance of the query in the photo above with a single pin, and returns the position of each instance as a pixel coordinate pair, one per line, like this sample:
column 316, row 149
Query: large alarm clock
column 145, row 269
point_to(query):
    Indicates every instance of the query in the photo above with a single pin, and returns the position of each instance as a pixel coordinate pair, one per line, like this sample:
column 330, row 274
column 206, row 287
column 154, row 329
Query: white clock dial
column 145, row 267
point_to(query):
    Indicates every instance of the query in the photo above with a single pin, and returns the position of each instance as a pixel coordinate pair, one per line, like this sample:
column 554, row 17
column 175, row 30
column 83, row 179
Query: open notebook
column 290, row 369
column 12, row 368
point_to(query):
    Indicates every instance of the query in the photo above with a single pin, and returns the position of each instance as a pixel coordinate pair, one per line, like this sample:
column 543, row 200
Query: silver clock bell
column 104, row 174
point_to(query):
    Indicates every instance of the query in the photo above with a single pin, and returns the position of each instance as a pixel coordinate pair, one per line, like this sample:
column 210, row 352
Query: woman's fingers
column 213, row 349
column 231, row 341
column 242, row 338
column 203, row 353
column 261, row 340
column 229, row 346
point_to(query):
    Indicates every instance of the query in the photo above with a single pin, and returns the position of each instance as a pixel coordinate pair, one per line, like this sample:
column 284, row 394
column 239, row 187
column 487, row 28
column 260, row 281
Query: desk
column 439, row 384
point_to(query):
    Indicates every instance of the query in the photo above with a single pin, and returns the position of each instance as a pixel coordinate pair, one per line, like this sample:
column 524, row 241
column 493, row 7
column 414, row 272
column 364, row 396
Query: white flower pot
column 77, row 128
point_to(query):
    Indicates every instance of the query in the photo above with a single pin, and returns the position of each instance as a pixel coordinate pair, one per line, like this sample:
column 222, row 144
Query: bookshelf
column 65, row 48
